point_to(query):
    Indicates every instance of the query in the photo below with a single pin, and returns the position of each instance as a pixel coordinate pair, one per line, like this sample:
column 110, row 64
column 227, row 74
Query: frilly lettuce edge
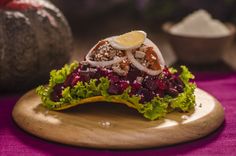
column 88, row 92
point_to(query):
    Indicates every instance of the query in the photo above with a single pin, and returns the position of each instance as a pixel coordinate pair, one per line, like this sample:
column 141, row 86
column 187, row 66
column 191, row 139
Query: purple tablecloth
column 14, row 141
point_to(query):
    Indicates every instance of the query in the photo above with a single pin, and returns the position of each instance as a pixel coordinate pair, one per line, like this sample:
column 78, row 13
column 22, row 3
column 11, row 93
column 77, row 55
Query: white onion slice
column 156, row 50
column 103, row 63
column 131, row 58
column 143, row 68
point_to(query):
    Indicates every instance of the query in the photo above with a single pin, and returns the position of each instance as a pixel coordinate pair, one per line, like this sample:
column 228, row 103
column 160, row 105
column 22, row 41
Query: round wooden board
column 115, row 126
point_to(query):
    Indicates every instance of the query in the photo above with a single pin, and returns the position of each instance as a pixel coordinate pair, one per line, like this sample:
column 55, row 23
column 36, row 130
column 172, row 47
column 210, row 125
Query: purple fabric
column 14, row 141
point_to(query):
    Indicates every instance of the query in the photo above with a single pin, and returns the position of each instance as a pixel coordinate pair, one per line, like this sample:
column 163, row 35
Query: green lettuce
column 186, row 100
column 56, row 77
column 59, row 76
column 157, row 108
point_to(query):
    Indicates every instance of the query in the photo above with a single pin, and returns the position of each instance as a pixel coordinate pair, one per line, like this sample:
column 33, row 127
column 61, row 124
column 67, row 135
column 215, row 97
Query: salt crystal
column 200, row 24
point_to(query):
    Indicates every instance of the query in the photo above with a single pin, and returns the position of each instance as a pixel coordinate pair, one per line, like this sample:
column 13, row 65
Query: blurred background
column 92, row 20
column 46, row 45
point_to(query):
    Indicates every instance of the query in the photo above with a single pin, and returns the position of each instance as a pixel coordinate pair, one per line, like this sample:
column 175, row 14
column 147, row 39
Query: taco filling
column 127, row 69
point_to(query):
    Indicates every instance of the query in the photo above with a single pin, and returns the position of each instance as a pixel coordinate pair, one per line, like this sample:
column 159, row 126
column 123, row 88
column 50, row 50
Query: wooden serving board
column 116, row 126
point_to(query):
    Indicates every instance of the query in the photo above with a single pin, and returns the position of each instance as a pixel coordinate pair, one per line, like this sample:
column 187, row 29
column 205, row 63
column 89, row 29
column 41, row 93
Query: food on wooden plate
column 132, row 72
column 34, row 39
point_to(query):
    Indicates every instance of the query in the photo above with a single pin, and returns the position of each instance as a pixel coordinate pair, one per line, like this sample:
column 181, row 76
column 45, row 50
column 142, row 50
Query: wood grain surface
column 116, row 126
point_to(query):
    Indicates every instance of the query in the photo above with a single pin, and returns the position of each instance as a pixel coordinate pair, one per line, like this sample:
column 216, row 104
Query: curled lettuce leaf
column 157, row 108
column 56, row 77
column 186, row 100
column 59, row 76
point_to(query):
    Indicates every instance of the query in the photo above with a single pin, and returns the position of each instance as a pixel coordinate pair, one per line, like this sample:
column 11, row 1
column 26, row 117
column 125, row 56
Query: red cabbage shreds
column 161, row 85
column 123, row 85
column 102, row 72
column 150, row 83
column 165, row 83
column 57, row 92
column 135, row 87
column 172, row 92
column 118, row 87
column 85, row 76
column 114, row 89
column 152, row 95
column 133, row 74
column 114, row 78
column 146, row 95
column 72, row 80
